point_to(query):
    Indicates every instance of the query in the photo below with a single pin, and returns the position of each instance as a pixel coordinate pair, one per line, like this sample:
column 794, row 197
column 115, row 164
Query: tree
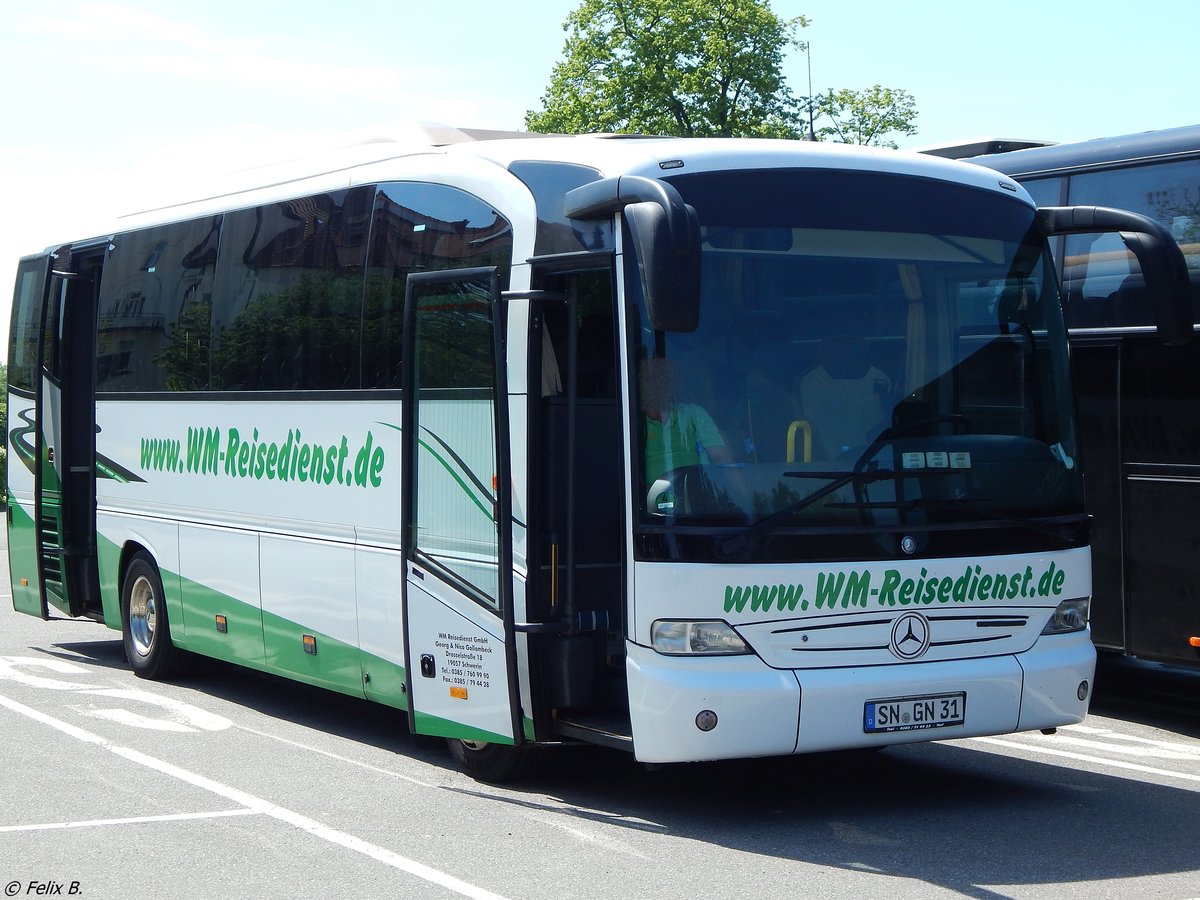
column 696, row 68
column 865, row 117
column 688, row 68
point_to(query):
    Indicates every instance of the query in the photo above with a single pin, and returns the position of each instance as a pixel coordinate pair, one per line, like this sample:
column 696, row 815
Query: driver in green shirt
column 677, row 434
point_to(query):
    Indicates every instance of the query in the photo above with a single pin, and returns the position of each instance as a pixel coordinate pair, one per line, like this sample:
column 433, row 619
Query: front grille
column 863, row 639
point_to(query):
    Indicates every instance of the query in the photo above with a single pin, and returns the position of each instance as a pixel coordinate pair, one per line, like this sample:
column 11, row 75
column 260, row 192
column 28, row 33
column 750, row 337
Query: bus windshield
column 880, row 369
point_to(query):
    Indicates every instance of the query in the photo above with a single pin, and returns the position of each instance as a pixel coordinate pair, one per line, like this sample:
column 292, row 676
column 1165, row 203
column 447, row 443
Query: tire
column 145, row 631
column 493, row 763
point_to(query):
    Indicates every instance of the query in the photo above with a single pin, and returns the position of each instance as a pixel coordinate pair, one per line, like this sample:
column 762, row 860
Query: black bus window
column 1101, row 274
column 155, row 303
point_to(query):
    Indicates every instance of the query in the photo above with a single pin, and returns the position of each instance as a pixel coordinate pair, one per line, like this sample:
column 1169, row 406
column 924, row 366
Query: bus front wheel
column 145, row 631
column 489, row 762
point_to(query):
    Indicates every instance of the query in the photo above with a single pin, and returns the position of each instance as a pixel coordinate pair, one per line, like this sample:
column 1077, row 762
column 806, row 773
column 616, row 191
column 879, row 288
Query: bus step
column 606, row 727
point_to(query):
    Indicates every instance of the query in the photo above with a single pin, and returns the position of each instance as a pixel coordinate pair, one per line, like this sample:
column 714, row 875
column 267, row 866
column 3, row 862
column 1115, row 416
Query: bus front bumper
column 728, row 707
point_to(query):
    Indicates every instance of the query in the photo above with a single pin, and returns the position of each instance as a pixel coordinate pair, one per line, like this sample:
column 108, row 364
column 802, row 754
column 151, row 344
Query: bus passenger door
column 458, row 615
column 65, row 436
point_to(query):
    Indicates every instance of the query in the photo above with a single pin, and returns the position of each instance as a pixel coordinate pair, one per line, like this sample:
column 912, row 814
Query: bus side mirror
column 1164, row 269
column 670, row 277
column 665, row 233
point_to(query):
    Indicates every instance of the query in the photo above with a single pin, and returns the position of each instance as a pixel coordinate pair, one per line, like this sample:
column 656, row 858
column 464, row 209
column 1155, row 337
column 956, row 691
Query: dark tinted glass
column 877, row 355
column 26, row 321
column 420, row 228
column 155, row 302
column 1101, row 277
column 289, row 293
column 1046, row 191
column 283, row 296
column 549, row 183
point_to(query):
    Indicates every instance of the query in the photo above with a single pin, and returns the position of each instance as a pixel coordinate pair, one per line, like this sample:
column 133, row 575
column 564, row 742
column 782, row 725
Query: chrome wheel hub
column 143, row 616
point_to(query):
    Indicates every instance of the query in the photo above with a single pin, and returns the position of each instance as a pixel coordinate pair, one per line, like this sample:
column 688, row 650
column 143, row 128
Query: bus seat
column 747, row 405
column 845, row 398
column 769, row 411
column 992, row 382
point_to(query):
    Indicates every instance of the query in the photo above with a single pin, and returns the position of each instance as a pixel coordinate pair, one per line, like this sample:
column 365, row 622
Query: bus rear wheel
column 145, row 631
column 493, row 763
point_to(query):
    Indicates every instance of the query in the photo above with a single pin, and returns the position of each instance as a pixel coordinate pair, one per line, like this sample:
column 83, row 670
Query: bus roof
column 379, row 159
column 980, row 146
column 1098, row 153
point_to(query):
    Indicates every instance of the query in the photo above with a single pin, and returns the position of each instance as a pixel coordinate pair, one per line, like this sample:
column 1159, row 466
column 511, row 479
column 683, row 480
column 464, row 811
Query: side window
column 453, row 408
column 1101, row 276
column 1046, row 191
column 155, row 303
column 549, row 183
column 26, row 323
column 420, row 227
column 288, row 295
column 595, row 337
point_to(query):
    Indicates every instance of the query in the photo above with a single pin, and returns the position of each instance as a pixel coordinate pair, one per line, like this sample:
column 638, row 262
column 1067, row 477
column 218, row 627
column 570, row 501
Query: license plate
column 913, row 713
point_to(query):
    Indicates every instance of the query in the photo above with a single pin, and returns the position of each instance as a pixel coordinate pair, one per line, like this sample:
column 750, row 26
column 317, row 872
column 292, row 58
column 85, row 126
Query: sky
column 112, row 104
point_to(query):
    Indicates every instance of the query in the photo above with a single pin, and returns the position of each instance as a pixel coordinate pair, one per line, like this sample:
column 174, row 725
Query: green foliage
column 688, row 68
column 701, row 68
column 302, row 336
column 452, row 326
column 865, row 117
column 185, row 358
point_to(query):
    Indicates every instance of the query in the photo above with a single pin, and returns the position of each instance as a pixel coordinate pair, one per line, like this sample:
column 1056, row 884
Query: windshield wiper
column 983, row 512
column 731, row 546
column 1017, row 521
column 861, row 472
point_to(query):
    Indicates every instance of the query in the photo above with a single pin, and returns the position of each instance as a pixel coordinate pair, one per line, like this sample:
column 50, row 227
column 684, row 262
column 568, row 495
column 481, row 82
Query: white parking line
column 134, row 820
column 342, row 759
column 1132, row 744
column 258, row 805
column 1082, row 757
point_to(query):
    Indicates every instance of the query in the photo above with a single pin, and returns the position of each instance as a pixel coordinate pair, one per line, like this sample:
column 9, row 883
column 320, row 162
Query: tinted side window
column 1045, row 191
column 288, row 295
column 26, row 323
column 420, row 228
column 155, row 300
column 549, row 183
column 1101, row 276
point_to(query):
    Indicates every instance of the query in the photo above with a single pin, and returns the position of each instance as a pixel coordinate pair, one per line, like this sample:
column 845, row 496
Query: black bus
column 1139, row 401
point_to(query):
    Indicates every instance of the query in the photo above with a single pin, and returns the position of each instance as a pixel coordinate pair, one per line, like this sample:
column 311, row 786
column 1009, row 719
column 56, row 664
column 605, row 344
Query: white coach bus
column 701, row 449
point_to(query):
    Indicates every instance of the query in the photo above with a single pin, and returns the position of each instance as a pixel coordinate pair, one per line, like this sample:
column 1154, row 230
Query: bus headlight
column 1071, row 615
column 711, row 638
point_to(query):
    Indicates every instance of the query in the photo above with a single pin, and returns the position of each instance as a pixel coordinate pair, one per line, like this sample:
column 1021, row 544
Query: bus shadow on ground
column 1161, row 696
column 945, row 815
column 276, row 697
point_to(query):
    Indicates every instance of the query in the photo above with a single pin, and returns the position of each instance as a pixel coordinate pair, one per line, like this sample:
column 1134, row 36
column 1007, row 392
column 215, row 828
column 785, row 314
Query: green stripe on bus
column 439, row 727
column 22, row 560
column 259, row 639
column 485, row 505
